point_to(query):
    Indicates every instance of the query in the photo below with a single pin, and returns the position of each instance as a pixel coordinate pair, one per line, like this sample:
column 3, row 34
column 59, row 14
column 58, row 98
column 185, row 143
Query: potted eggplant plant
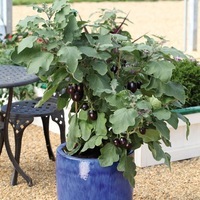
column 118, row 90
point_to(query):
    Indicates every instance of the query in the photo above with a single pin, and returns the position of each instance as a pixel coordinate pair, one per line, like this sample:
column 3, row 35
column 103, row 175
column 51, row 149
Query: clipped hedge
column 187, row 73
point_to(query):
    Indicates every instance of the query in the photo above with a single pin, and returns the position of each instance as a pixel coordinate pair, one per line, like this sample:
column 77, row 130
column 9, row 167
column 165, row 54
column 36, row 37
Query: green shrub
column 187, row 73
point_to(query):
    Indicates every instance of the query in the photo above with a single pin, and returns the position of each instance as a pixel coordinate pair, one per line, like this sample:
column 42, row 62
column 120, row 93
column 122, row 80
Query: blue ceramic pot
column 85, row 179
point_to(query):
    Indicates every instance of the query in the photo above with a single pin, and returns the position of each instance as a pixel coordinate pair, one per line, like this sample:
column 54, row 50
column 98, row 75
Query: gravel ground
column 152, row 183
column 163, row 18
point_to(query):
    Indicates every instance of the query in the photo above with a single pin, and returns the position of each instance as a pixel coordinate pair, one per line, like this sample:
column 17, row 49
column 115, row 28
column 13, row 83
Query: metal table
column 10, row 77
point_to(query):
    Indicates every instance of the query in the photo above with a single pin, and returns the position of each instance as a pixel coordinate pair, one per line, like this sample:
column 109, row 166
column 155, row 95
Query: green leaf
column 61, row 17
column 156, row 104
column 127, row 48
column 173, row 120
column 144, row 105
column 70, row 29
column 100, row 67
column 150, row 135
column 95, row 140
column 70, row 56
column 158, row 153
column 73, row 132
column 99, row 139
column 26, row 43
column 118, row 100
column 162, row 114
column 30, row 21
column 59, row 4
column 108, row 155
column 41, row 61
column 100, row 124
column 128, row 167
column 98, row 83
column 59, row 76
column 83, row 115
column 172, row 51
column 185, row 119
column 89, row 51
column 78, row 75
column 160, row 69
column 126, row 115
column 48, row 93
column 86, row 130
column 162, row 128
column 174, row 90
column 130, row 171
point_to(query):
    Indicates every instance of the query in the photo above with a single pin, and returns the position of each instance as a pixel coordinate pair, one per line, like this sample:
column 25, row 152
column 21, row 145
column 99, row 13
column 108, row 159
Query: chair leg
column 19, row 125
column 59, row 118
column 45, row 122
column 1, row 132
column 1, row 140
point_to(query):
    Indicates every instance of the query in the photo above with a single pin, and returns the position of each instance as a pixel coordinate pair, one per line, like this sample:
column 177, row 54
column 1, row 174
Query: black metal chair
column 22, row 114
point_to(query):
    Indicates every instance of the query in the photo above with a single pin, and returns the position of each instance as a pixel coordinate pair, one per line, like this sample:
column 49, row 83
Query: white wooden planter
column 181, row 147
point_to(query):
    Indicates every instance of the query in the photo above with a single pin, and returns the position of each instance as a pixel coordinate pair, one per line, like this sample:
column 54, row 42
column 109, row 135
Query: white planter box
column 181, row 147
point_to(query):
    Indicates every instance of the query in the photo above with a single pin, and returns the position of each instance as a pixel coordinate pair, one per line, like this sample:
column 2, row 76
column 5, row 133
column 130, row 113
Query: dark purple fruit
column 116, row 142
column 123, row 63
column 70, row 89
column 85, row 106
column 123, row 141
column 139, row 84
column 132, row 86
column 128, row 146
column 142, row 130
column 77, row 96
column 114, row 69
column 92, row 114
column 79, row 87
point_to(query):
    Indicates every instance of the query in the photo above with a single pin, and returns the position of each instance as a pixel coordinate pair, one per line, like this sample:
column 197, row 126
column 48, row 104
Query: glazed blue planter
column 85, row 179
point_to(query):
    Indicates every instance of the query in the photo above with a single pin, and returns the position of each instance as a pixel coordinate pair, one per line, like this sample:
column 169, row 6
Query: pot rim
column 62, row 153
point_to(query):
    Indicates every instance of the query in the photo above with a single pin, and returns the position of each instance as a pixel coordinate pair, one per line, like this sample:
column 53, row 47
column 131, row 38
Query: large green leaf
column 100, row 67
column 160, row 69
column 172, row 51
column 99, row 124
column 95, row 140
column 173, row 120
column 174, row 90
column 26, row 43
column 108, row 155
column 86, row 130
column 186, row 120
column 162, row 114
column 73, row 132
column 59, row 76
column 98, row 84
column 124, row 115
column 118, row 100
column 59, row 4
column 61, row 18
column 89, row 51
column 150, row 135
column 30, row 21
column 48, row 93
column 162, row 128
column 144, row 105
column 70, row 29
column 70, row 56
column 40, row 61
column 158, row 152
